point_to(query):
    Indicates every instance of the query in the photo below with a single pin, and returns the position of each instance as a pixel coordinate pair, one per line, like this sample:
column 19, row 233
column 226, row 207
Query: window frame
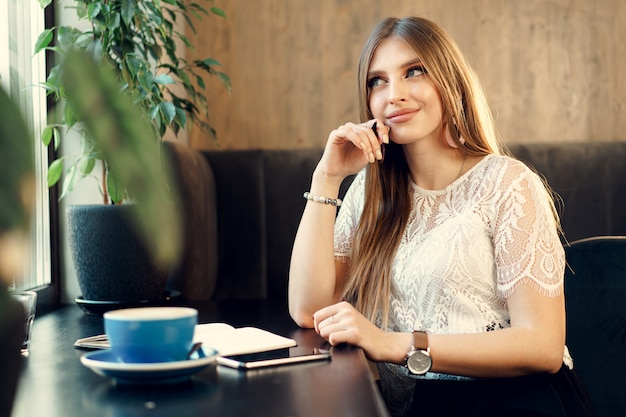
column 44, row 257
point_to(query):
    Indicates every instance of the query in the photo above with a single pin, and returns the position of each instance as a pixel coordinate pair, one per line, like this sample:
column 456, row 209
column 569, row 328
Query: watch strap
column 420, row 340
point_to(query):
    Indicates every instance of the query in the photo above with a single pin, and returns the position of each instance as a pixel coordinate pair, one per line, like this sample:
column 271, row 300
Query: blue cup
column 151, row 334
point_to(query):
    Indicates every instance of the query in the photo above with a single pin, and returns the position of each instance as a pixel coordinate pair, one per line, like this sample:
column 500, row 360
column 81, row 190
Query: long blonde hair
column 387, row 205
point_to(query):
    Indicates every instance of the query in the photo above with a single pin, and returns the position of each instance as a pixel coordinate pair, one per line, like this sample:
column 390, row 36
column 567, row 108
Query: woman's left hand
column 342, row 323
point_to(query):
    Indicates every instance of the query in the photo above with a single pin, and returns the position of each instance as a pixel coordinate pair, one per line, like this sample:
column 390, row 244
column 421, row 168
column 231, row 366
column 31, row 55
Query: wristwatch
column 418, row 360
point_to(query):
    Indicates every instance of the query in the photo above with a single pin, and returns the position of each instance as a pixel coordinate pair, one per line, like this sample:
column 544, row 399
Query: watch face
column 419, row 362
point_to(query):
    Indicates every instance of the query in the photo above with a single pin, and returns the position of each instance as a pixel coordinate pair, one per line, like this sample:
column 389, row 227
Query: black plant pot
column 111, row 261
column 11, row 337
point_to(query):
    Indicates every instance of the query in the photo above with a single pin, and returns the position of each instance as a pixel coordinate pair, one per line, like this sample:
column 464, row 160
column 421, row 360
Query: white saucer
column 105, row 363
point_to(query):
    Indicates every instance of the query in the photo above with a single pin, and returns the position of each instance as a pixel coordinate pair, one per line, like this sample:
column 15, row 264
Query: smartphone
column 274, row 357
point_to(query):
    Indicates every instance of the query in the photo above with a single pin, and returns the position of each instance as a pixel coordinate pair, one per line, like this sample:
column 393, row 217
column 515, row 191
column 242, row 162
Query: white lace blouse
column 466, row 248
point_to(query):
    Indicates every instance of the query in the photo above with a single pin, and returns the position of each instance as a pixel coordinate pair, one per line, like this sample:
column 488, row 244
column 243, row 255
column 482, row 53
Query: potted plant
column 120, row 120
column 16, row 193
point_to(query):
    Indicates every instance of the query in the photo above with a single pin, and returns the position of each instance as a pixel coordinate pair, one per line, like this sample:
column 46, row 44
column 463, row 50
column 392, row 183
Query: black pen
column 382, row 145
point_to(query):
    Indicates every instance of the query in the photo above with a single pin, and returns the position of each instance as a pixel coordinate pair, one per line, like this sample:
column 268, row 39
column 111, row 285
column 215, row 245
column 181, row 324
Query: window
column 21, row 22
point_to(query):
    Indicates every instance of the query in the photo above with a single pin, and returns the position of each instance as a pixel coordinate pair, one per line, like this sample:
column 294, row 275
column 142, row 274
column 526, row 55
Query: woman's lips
column 401, row 116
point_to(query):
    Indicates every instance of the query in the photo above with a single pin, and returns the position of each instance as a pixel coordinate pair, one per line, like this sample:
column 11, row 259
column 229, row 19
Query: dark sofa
column 243, row 208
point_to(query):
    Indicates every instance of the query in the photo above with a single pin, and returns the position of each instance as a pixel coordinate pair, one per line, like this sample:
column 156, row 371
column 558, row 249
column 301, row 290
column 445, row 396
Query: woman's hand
column 315, row 279
column 352, row 146
column 342, row 323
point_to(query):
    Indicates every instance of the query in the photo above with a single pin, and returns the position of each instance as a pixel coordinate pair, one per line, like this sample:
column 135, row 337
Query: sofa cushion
column 259, row 206
column 242, row 232
column 595, row 289
column 196, row 275
column 589, row 177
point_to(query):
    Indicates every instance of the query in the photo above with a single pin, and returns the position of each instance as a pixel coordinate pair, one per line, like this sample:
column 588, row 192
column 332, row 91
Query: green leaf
column 164, row 79
column 46, row 135
column 67, row 36
column 202, row 100
column 155, row 51
column 153, row 112
column 55, row 170
column 81, row 12
column 95, row 49
column 197, row 6
column 50, row 89
column 184, row 78
column 200, row 82
column 71, row 179
column 133, row 65
column 68, row 116
column 128, row 11
column 87, row 146
column 82, row 40
column 168, row 110
column 87, row 165
column 44, row 3
column 16, row 168
column 185, row 40
column 170, row 48
column 114, row 24
column 54, row 77
column 225, row 80
column 181, row 116
column 190, row 90
column 145, row 80
column 157, row 19
column 176, row 128
column 154, row 7
column 44, row 40
column 218, row 11
column 116, row 189
column 93, row 10
column 210, row 62
column 56, row 138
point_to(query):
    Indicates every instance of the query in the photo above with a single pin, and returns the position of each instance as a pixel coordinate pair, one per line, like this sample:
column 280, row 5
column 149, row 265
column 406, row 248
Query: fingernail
column 379, row 154
column 386, row 138
column 372, row 159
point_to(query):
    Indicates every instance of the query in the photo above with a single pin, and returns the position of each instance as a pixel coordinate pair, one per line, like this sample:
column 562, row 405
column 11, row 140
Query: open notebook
column 222, row 337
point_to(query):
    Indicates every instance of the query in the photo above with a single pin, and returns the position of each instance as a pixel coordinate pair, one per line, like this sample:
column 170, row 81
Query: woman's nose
column 397, row 91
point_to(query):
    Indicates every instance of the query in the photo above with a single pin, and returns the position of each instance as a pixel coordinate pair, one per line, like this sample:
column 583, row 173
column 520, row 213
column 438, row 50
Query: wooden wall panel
column 552, row 69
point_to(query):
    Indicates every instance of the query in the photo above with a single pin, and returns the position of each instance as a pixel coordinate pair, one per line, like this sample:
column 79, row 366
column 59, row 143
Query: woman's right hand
column 315, row 278
column 351, row 147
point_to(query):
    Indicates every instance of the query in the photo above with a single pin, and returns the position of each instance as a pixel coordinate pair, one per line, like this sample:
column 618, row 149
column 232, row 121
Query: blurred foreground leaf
column 16, row 166
column 17, row 188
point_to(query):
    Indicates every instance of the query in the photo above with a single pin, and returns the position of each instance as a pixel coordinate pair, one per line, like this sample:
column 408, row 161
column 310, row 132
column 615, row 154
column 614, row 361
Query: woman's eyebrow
column 408, row 64
column 412, row 62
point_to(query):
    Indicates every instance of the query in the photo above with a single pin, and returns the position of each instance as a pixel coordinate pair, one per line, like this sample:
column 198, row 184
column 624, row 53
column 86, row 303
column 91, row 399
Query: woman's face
column 402, row 94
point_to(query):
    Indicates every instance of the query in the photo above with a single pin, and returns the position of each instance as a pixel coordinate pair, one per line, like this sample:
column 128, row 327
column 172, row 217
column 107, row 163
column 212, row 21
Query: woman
column 444, row 263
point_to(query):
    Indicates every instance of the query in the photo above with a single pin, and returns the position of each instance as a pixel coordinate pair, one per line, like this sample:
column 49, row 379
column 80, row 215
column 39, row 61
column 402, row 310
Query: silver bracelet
column 321, row 199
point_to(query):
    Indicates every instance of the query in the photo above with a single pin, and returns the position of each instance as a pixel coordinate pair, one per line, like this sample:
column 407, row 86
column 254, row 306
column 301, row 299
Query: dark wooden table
column 55, row 383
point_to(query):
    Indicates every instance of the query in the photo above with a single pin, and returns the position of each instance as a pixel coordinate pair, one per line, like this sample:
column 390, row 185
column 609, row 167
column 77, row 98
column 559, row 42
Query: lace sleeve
column 527, row 245
column 348, row 217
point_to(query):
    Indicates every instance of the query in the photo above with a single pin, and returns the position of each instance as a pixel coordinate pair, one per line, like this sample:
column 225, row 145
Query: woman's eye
column 374, row 82
column 416, row 72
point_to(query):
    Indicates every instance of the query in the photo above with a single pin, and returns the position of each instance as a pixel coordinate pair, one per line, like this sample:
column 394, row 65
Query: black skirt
column 549, row 395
